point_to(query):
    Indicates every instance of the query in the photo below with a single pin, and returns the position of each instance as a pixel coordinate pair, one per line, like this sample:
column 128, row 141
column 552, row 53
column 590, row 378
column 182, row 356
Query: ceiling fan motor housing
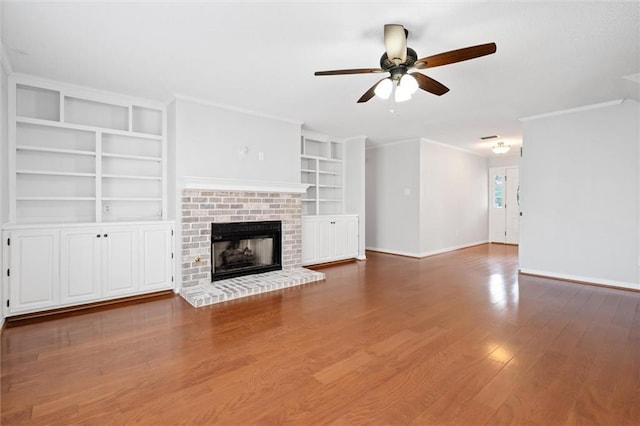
column 388, row 65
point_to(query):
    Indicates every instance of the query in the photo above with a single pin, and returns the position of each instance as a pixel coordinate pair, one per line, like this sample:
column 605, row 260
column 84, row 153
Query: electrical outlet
column 106, row 208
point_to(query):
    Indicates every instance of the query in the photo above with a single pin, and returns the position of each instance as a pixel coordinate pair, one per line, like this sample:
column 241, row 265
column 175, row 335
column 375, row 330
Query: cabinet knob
column 98, row 236
column 105, row 235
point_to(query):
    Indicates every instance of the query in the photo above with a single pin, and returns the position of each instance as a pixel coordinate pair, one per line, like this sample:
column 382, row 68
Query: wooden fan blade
column 457, row 55
column 352, row 71
column 430, row 85
column 369, row 93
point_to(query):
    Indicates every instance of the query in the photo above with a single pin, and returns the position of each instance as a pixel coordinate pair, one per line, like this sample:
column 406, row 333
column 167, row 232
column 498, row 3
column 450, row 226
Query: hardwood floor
column 457, row 338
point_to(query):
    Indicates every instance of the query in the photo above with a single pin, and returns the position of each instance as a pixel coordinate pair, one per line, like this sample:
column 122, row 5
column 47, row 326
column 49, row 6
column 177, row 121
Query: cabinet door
column 309, row 241
column 155, row 255
column 34, row 270
column 346, row 237
column 120, row 271
column 326, row 240
column 80, row 265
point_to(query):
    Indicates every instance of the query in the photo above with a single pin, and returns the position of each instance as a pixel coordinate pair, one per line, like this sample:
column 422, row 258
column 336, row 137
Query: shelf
column 309, row 200
column 93, row 113
column 130, row 199
column 330, row 160
column 330, row 200
column 307, row 171
column 322, row 172
column 55, row 198
column 132, row 157
column 77, row 150
column 55, row 150
column 330, row 186
column 37, row 102
column 132, row 177
column 315, row 157
column 87, row 128
column 51, row 173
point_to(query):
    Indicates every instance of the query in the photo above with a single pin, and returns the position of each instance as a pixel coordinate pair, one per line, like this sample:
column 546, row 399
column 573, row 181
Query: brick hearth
column 200, row 208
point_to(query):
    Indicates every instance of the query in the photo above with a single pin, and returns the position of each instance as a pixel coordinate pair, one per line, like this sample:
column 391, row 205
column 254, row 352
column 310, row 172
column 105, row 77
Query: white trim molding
column 192, row 182
column 580, row 279
column 427, row 253
column 4, row 59
column 572, row 110
column 232, row 108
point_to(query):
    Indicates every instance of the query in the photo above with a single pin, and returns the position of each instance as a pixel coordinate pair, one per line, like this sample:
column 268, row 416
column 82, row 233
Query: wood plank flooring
column 457, row 338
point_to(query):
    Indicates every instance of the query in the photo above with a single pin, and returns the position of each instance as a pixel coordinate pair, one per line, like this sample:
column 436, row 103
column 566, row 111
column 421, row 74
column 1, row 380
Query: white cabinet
column 156, row 257
column 120, row 266
column 329, row 238
column 34, row 262
column 80, row 264
column 65, row 266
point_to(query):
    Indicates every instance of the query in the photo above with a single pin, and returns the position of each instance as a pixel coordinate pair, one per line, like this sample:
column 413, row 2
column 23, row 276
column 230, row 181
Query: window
column 498, row 192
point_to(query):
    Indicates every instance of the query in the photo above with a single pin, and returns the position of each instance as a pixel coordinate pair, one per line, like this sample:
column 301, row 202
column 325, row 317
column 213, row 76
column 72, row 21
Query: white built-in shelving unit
column 87, row 198
column 78, row 156
column 322, row 168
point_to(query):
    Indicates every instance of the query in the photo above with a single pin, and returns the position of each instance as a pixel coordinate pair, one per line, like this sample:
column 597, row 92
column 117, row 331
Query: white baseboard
column 398, row 253
column 581, row 279
column 452, row 248
column 427, row 253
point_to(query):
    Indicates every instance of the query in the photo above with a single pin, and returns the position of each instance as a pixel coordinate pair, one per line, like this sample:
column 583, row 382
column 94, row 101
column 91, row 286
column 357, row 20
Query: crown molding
column 386, row 144
column 457, row 148
column 4, row 59
column 572, row 110
column 233, row 108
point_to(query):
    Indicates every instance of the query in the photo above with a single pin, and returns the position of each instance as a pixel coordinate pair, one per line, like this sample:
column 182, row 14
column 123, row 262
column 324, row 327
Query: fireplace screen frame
column 235, row 231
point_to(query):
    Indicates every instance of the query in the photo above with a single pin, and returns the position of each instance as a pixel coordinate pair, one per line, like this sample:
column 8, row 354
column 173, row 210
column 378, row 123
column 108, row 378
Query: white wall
column 425, row 198
column 209, row 140
column 355, row 203
column 454, row 198
column 5, row 69
column 511, row 160
column 393, row 197
column 580, row 195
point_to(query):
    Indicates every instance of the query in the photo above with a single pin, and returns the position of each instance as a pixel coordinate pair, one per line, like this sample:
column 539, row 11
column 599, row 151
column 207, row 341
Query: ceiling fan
column 399, row 59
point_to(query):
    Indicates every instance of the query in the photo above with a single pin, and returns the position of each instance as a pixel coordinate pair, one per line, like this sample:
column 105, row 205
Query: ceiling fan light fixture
column 401, row 94
column 409, row 83
column 501, row 148
column 383, row 89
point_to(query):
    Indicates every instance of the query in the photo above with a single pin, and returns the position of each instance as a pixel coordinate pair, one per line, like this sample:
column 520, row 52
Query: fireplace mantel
column 190, row 182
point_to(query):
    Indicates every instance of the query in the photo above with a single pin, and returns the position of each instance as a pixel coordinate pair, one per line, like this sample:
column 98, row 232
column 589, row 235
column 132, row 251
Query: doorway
column 504, row 212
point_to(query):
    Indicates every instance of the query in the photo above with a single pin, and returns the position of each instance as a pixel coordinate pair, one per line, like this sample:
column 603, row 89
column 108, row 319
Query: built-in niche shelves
column 322, row 168
column 81, row 156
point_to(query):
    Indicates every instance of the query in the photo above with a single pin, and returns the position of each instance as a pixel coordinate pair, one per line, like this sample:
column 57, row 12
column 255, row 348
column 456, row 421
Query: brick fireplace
column 202, row 207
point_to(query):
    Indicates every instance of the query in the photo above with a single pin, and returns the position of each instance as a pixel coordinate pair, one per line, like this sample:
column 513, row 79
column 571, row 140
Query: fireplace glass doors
column 243, row 248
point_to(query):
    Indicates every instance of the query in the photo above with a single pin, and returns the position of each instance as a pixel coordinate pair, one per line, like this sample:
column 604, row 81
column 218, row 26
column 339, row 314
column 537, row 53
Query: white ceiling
column 261, row 56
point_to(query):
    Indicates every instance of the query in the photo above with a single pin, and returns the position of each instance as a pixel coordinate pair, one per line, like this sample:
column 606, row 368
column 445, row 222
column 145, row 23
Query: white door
column 512, row 207
column 80, row 264
column 155, row 256
column 34, row 270
column 504, row 212
column 120, row 268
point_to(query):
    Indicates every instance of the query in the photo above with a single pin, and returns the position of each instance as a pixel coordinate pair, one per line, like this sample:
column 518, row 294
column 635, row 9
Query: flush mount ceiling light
column 501, row 148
